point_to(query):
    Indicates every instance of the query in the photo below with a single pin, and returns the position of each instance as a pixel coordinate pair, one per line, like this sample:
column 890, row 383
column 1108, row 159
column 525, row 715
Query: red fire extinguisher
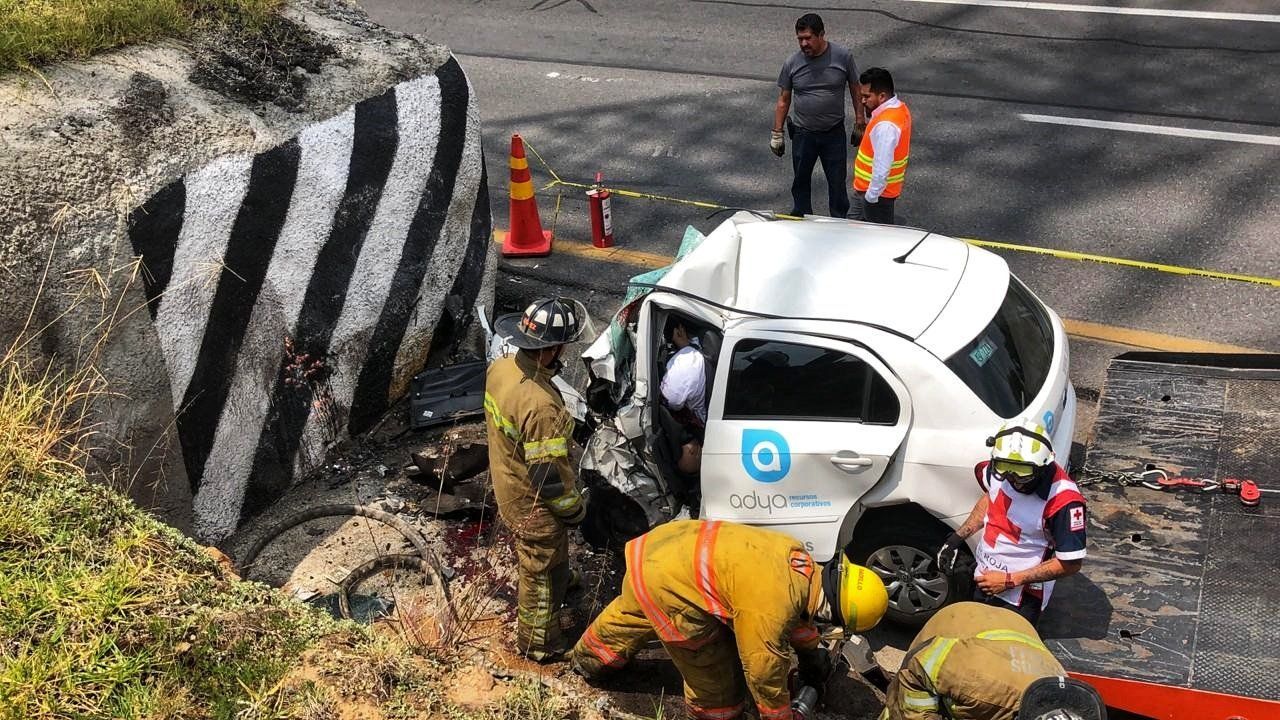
column 601, row 216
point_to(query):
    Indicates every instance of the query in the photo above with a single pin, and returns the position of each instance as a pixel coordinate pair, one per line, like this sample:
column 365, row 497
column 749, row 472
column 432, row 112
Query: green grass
column 108, row 613
column 33, row 32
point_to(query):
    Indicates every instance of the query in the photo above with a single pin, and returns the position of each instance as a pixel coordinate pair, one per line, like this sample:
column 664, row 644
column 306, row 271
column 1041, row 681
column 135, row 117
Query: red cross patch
column 1077, row 519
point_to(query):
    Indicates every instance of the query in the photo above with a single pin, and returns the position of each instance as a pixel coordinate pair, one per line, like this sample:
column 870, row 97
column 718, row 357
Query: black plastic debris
column 446, row 394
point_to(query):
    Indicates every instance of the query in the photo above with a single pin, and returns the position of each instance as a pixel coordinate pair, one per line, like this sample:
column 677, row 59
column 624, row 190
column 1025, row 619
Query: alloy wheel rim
column 914, row 583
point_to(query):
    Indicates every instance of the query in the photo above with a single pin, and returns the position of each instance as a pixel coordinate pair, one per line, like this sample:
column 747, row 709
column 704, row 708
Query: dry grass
column 33, row 32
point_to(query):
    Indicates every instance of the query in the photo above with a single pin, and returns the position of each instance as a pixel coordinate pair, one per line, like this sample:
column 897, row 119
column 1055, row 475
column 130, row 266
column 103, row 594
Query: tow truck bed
column 1176, row 613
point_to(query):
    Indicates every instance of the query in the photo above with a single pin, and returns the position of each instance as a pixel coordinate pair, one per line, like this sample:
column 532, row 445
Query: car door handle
column 845, row 461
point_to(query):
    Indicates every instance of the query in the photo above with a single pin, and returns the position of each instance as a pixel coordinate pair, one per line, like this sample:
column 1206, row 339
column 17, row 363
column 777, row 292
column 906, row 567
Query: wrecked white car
column 853, row 372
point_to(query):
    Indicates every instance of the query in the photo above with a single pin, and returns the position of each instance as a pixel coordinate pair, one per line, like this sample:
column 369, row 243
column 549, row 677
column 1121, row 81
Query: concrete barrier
column 297, row 258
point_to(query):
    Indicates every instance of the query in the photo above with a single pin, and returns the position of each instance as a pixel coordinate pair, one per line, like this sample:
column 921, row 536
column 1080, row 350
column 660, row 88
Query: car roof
column 837, row 270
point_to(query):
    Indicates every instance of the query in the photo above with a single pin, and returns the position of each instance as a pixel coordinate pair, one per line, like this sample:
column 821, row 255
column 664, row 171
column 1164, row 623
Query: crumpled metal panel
column 609, row 454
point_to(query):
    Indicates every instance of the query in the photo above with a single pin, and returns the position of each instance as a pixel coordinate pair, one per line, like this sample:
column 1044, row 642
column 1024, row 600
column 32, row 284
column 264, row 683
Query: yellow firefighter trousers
column 714, row 688
column 544, row 579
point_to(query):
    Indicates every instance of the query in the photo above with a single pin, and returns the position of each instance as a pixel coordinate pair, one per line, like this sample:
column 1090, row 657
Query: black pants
column 1029, row 609
column 807, row 148
column 880, row 211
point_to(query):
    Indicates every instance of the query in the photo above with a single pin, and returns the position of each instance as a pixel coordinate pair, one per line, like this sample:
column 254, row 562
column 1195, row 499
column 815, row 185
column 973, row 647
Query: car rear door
column 799, row 427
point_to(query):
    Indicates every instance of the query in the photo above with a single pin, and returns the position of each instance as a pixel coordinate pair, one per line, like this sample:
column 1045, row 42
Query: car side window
column 780, row 380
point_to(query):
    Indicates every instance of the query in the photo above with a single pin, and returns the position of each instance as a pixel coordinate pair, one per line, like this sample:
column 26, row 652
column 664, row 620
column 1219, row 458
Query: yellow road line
column 1080, row 329
column 1125, row 262
column 616, row 255
column 1146, row 339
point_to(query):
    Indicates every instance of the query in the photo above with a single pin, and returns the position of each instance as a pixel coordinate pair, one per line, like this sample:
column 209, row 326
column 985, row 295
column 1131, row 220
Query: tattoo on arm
column 974, row 522
column 1051, row 569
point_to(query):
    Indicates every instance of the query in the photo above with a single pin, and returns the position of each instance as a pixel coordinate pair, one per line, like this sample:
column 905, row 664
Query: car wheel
column 905, row 561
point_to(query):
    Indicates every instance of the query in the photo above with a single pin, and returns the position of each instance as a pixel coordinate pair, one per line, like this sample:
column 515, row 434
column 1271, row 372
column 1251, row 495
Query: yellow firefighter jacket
column 971, row 661
column 692, row 577
column 529, row 430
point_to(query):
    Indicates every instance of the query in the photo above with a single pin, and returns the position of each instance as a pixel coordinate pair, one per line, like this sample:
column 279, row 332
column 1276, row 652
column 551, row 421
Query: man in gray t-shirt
column 813, row 82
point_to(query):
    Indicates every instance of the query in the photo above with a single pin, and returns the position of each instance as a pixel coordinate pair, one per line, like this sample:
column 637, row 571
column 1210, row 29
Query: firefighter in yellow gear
column 973, row 661
column 529, row 430
column 727, row 600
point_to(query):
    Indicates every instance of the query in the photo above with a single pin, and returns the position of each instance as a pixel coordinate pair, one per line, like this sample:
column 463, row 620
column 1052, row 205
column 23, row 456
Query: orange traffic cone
column 526, row 238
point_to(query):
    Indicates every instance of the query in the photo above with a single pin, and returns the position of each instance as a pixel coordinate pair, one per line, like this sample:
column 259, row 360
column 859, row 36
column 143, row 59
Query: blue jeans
column 807, row 148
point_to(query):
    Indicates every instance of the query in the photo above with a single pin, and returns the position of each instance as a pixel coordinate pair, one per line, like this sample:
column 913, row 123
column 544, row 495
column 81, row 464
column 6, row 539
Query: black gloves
column 949, row 552
column 815, row 667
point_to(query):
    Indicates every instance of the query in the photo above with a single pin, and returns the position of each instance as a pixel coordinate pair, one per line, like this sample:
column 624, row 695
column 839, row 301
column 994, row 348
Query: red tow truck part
column 1176, row 614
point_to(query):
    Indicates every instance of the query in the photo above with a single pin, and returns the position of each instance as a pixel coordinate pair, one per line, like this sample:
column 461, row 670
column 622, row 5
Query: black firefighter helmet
column 547, row 322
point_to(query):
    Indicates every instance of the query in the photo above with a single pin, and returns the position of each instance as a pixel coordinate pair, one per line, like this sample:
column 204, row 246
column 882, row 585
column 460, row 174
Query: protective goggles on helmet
column 1012, row 469
column 1021, row 475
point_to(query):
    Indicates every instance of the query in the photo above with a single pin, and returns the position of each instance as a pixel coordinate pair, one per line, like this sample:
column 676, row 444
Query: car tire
column 613, row 519
column 904, row 557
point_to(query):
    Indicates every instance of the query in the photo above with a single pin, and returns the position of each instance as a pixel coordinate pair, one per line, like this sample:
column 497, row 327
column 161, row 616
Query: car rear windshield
column 1007, row 363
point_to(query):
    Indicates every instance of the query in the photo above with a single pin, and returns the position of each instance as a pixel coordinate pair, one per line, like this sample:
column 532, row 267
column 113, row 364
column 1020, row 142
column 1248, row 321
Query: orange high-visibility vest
column 901, row 117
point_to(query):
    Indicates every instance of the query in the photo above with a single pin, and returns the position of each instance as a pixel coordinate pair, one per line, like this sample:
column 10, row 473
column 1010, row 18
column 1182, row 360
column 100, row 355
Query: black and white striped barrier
column 296, row 291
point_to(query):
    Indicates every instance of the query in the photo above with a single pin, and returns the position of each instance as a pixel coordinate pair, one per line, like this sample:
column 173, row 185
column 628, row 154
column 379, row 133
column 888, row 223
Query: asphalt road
column 676, row 98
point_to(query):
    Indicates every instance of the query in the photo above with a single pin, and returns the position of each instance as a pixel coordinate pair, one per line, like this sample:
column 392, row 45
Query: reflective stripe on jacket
column 529, row 430
column 971, row 661
column 864, row 162
column 693, row 577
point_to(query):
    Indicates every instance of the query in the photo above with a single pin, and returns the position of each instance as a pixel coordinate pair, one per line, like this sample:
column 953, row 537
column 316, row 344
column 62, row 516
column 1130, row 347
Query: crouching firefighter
column 974, row 661
column 725, row 599
column 529, row 430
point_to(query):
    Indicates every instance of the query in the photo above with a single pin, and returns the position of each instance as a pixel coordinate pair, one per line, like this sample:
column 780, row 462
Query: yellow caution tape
column 1051, row 252
column 1080, row 329
column 538, row 155
column 1125, row 262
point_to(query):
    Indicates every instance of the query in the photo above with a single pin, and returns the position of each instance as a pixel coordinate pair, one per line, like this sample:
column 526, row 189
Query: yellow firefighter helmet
column 857, row 596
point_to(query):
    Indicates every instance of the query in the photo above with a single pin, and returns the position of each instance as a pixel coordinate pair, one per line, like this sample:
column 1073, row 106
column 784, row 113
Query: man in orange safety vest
column 881, row 164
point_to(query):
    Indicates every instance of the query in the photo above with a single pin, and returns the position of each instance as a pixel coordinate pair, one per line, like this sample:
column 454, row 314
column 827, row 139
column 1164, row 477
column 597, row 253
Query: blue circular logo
column 765, row 455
